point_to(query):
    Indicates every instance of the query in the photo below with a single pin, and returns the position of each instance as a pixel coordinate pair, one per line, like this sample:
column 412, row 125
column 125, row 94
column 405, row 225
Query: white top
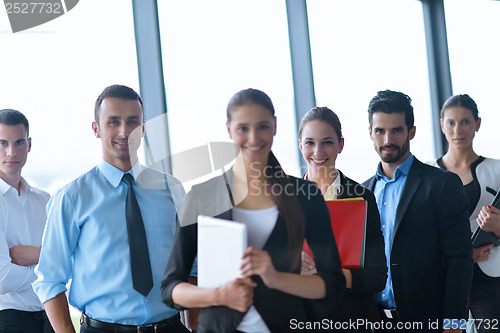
column 22, row 220
column 260, row 224
column 488, row 176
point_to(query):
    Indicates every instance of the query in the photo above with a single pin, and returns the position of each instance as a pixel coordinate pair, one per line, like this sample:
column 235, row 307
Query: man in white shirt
column 22, row 220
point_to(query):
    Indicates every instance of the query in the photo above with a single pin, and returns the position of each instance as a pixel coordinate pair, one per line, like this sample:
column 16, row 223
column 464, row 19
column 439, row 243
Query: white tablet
column 220, row 248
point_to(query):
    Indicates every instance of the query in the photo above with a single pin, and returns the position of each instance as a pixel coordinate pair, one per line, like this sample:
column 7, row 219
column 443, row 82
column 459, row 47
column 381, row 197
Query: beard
column 400, row 151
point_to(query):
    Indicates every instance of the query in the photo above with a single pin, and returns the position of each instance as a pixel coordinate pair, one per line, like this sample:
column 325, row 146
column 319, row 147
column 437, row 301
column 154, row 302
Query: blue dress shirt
column 388, row 193
column 86, row 239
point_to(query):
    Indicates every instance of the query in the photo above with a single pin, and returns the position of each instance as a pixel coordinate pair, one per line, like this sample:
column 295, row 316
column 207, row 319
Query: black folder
column 481, row 237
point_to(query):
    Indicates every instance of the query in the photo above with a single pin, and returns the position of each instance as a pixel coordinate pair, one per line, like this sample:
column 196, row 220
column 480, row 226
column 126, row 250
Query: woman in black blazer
column 279, row 211
column 320, row 141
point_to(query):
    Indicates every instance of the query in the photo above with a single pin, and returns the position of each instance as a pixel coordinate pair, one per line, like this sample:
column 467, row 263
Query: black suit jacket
column 431, row 256
column 360, row 302
column 276, row 308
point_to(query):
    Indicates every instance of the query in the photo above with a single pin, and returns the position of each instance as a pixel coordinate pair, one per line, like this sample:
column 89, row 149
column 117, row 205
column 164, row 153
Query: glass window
column 358, row 48
column 211, row 50
column 473, row 28
column 53, row 73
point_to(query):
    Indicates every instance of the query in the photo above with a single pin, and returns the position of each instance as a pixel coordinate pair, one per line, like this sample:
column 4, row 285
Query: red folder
column 348, row 219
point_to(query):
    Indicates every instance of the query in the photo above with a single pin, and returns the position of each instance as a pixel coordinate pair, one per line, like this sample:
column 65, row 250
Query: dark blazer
column 276, row 308
column 359, row 303
column 431, row 256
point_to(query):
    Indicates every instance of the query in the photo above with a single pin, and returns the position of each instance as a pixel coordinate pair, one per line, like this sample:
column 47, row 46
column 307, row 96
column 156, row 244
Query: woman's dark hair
column 288, row 205
column 249, row 96
column 464, row 101
column 321, row 113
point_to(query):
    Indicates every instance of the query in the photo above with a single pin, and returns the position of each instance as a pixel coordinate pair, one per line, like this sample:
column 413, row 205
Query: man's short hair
column 115, row 91
column 389, row 101
column 13, row 117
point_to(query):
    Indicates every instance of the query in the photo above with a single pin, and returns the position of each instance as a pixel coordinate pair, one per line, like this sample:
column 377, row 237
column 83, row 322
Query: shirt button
column 383, row 295
column 385, row 203
column 383, row 226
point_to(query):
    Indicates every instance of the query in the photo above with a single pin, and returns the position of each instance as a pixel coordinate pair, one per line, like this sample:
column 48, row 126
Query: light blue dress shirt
column 86, row 239
column 388, row 193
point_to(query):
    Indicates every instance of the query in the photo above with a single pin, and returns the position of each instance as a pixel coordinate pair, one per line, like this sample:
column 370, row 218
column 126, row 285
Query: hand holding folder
column 481, row 237
column 348, row 220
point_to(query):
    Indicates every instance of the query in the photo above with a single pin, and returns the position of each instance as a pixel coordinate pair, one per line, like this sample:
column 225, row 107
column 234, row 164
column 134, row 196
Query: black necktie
column 142, row 278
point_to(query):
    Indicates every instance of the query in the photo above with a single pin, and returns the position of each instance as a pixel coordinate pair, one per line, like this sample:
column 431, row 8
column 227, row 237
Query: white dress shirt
column 22, row 220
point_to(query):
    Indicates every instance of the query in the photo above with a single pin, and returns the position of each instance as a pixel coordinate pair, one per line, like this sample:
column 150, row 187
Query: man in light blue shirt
column 424, row 219
column 86, row 237
column 388, row 193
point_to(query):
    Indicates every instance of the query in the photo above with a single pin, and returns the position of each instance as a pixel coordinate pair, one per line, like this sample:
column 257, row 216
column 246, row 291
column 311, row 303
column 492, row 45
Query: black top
column 472, row 189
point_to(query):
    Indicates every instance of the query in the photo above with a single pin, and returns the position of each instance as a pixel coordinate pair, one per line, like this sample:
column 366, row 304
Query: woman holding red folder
column 481, row 178
column 320, row 141
column 279, row 212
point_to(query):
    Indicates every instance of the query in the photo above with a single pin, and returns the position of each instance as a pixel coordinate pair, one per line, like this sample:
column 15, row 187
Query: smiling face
column 459, row 127
column 14, row 148
column 252, row 128
column 120, row 129
column 391, row 137
column 320, row 146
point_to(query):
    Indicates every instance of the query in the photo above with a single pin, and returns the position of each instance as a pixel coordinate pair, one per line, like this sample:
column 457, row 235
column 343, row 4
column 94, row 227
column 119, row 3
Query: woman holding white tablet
column 279, row 211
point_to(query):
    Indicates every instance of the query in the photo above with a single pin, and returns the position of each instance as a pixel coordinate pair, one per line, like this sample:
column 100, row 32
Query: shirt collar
column 333, row 190
column 336, row 182
column 403, row 168
column 115, row 175
column 4, row 187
